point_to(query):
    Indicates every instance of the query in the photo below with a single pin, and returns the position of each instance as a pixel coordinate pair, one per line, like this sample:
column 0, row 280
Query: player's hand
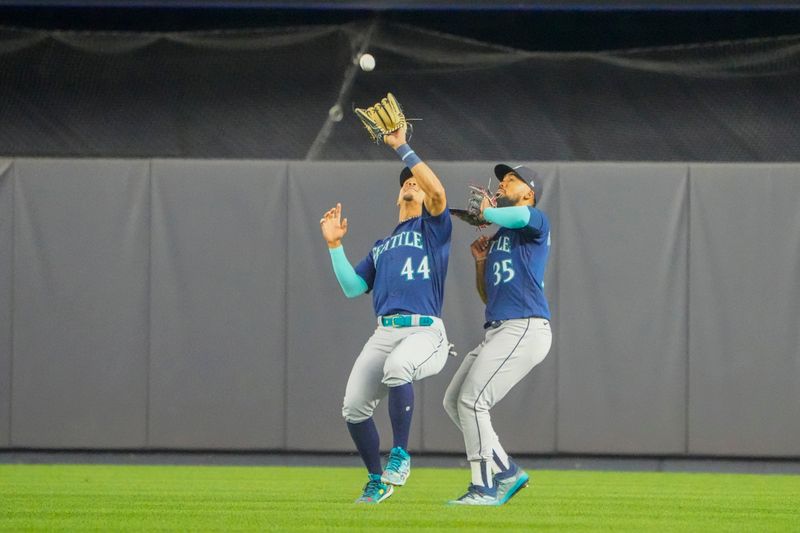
column 480, row 248
column 484, row 204
column 396, row 139
column 333, row 226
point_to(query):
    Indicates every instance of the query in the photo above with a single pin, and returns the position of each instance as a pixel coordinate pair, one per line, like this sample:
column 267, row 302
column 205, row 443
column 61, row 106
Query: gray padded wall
column 326, row 331
column 622, row 308
column 525, row 419
column 745, row 308
column 218, row 303
column 6, row 246
column 80, row 316
column 165, row 299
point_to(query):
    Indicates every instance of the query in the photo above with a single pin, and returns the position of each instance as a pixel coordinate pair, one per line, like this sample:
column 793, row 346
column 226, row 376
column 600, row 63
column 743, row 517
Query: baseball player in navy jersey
column 510, row 280
column 406, row 273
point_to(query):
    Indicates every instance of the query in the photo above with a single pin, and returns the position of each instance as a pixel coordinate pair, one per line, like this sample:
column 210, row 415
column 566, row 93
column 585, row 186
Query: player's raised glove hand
column 396, row 139
column 479, row 199
column 382, row 119
column 333, row 226
column 487, row 201
column 480, row 248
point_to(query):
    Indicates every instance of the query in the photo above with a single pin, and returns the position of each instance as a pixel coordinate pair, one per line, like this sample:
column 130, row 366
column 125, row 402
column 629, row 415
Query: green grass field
column 147, row 498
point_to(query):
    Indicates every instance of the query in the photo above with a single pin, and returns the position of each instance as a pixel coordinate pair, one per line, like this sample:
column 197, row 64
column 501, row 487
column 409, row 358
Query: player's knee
column 450, row 404
column 396, row 373
column 471, row 403
column 354, row 412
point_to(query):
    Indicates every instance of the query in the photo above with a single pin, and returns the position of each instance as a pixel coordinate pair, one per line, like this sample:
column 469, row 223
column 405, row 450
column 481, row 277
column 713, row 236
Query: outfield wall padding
column 190, row 304
column 217, row 352
column 622, row 324
column 744, row 339
column 81, row 301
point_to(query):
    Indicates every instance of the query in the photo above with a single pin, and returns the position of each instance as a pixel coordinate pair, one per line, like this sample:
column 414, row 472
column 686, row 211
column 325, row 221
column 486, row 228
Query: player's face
column 512, row 190
column 410, row 192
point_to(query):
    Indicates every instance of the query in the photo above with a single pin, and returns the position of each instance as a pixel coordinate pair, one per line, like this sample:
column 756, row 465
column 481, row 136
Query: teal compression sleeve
column 509, row 217
column 352, row 284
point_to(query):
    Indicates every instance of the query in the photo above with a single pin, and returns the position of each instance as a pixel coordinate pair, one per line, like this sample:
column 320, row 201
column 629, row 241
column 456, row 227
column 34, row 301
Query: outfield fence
column 190, row 304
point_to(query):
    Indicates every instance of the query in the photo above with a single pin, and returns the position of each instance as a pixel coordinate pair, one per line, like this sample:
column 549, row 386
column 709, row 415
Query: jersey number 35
column 502, row 271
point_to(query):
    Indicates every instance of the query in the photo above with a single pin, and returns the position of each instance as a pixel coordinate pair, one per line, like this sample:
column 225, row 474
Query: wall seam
column 688, row 304
column 286, row 330
column 421, row 410
column 149, row 354
column 12, row 299
column 557, row 257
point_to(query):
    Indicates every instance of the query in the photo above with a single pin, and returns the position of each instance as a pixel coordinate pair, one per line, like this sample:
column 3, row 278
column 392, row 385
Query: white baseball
column 367, row 62
column 336, row 113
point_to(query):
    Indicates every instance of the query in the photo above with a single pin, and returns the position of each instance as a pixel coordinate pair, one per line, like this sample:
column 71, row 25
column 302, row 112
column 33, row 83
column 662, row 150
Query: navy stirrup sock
column 368, row 443
column 401, row 409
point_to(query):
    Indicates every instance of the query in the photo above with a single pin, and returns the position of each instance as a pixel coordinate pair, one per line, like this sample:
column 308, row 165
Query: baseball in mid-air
column 335, row 113
column 367, row 62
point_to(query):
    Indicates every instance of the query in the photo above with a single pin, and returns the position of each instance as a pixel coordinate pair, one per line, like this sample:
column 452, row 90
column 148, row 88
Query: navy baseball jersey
column 515, row 270
column 406, row 270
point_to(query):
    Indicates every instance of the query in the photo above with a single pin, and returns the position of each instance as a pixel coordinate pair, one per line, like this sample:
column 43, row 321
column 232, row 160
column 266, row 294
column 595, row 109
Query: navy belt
column 404, row 321
column 494, row 324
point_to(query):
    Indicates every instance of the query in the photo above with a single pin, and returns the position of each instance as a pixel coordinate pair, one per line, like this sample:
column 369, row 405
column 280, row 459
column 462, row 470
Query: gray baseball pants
column 506, row 355
column 390, row 358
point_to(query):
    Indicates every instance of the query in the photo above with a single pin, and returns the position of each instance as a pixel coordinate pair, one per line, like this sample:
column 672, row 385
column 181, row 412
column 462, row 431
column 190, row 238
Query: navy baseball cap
column 529, row 176
column 405, row 174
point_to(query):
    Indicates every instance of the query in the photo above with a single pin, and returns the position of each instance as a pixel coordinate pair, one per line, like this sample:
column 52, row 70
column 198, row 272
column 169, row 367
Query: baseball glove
column 383, row 118
column 472, row 214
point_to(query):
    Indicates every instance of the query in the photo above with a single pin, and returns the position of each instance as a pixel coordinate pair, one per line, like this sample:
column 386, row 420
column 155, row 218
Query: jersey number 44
column 422, row 269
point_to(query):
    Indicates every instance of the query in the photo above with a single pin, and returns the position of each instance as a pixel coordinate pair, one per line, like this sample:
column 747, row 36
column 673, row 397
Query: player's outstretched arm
column 435, row 198
column 479, row 249
column 334, row 228
column 513, row 217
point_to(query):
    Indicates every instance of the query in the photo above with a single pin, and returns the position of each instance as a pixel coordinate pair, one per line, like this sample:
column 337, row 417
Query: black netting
column 266, row 94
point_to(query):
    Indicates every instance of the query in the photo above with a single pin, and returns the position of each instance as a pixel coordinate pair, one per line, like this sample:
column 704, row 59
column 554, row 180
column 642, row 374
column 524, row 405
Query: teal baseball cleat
column 478, row 495
column 398, row 468
column 509, row 483
column 375, row 491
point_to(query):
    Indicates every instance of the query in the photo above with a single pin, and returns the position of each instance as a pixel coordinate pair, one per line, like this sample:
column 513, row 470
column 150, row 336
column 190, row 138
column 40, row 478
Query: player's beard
column 408, row 196
column 506, row 201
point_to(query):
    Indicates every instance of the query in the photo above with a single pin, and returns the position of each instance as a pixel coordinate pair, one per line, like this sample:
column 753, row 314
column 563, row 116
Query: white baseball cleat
column 508, row 484
column 478, row 495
